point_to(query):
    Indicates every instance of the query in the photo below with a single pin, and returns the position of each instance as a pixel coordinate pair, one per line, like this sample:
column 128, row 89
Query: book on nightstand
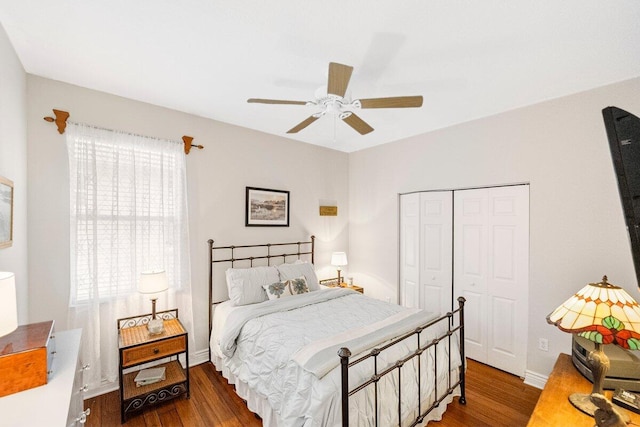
column 149, row 376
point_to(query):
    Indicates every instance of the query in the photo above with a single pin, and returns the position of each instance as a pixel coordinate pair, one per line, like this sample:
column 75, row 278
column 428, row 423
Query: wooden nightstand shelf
column 137, row 346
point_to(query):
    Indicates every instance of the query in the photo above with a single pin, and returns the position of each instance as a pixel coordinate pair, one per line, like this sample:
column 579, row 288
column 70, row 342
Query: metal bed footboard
column 420, row 348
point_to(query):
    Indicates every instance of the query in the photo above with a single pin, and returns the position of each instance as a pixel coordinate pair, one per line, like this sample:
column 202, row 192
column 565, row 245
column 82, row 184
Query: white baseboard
column 195, row 358
column 535, row 379
column 104, row 388
column 198, row 357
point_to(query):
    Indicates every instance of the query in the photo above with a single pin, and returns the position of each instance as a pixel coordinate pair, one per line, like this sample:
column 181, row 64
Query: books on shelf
column 150, row 376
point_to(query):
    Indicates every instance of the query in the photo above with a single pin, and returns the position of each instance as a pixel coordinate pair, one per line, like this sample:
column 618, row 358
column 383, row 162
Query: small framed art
column 266, row 208
column 6, row 212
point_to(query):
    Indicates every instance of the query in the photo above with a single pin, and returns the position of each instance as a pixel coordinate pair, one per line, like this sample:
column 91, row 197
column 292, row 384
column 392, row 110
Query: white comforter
column 284, row 352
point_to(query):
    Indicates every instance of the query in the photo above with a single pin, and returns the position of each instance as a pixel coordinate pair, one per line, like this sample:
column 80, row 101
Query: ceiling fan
column 332, row 100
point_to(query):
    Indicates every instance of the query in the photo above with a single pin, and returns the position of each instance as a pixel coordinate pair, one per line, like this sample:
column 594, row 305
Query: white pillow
column 287, row 288
column 297, row 269
column 245, row 284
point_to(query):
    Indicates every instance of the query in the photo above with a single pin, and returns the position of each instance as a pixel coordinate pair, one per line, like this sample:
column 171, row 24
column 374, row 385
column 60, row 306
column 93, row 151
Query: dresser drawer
column 152, row 351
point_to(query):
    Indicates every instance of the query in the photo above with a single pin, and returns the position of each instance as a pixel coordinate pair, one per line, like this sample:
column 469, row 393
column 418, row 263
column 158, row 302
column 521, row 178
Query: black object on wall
column 623, row 131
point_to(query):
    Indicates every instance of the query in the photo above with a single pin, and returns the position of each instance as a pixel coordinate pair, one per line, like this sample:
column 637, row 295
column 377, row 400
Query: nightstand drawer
column 152, row 351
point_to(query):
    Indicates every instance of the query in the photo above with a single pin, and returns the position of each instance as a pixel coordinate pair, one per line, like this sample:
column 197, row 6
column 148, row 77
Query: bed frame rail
column 420, row 348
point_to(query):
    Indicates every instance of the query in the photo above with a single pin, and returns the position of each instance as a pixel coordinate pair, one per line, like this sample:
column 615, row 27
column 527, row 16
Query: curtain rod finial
column 60, row 120
column 188, row 144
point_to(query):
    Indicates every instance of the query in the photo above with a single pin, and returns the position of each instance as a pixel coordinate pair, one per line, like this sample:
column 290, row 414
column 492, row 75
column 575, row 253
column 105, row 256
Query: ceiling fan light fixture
column 335, row 99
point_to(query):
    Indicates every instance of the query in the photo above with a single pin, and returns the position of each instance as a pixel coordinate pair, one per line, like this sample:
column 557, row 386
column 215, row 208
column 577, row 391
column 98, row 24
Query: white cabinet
column 58, row 403
column 471, row 243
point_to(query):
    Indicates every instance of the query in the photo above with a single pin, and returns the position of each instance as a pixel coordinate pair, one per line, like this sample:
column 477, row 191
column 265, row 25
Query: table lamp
column 605, row 314
column 8, row 308
column 338, row 259
column 153, row 282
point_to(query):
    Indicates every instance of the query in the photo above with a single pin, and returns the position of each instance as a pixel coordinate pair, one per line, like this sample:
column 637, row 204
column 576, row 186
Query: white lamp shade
column 339, row 258
column 152, row 282
column 8, row 308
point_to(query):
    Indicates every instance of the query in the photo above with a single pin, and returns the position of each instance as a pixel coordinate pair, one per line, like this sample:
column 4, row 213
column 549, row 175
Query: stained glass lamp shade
column 605, row 314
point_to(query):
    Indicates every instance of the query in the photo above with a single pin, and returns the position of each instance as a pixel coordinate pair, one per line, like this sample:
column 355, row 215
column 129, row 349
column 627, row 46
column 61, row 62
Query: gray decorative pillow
column 297, row 269
column 287, row 288
column 245, row 285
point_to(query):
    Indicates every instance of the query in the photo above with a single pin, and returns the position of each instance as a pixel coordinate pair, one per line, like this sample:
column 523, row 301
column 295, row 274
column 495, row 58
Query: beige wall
column 577, row 230
column 13, row 165
column 559, row 147
column 233, row 158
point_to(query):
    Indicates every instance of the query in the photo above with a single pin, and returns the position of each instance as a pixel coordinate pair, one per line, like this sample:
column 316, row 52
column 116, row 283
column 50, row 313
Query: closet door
column 436, row 228
column 410, row 250
column 426, row 228
column 470, row 244
column 491, row 270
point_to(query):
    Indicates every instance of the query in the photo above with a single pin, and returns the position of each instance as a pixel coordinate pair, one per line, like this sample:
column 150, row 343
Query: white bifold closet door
column 491, row 270
column 471, row 243
column 425, row 252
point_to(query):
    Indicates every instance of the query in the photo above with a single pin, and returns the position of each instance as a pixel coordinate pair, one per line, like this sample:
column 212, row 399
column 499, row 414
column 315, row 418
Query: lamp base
column 155, row 326
column 583, row 402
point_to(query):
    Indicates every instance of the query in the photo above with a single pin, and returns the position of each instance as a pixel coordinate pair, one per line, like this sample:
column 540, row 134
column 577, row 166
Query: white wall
column 559, row 147
column 233, row 158
column 13, row 165
column 576, row 223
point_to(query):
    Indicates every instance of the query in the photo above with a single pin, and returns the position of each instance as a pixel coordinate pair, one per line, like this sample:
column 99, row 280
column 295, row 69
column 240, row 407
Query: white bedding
column 266, row 357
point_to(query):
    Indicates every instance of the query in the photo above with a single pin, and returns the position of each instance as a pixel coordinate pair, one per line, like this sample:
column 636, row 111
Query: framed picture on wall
column 266, row 208
column 6, row 212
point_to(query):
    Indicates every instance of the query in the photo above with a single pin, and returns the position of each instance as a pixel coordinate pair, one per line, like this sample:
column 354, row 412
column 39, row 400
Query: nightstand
column 356, row 288
column 137, row 346
column 553, row 407
column 346, row 285
column 353, row 287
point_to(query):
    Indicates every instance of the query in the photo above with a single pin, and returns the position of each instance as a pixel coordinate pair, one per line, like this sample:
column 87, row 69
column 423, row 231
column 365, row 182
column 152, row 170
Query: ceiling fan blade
column 393, row 102
column 303, row 124
column 339, row 76
column 274, row 101
column 358, row 124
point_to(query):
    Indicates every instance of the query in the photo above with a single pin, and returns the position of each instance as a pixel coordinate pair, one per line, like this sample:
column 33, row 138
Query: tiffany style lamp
column 605, row 314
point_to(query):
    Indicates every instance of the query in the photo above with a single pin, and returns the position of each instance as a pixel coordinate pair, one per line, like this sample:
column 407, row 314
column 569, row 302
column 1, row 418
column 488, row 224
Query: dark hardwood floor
column 494, row 398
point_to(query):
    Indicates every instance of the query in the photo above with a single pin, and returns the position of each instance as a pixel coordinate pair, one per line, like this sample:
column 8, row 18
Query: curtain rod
column 61, row 122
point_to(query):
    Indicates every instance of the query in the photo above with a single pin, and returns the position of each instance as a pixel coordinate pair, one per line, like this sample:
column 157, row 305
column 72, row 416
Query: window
column 128, row 210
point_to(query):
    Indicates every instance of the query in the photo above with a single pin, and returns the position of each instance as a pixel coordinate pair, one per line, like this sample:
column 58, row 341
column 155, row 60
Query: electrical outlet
column 543, row 344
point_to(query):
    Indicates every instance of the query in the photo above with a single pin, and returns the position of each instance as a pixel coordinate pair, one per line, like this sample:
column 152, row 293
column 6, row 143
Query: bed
column 301, row 354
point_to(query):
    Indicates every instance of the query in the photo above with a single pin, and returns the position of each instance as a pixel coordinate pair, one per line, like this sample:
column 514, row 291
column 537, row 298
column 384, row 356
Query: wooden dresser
column 554, row 409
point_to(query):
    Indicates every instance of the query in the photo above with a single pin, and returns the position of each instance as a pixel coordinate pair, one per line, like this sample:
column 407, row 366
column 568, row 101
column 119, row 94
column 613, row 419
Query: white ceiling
column 468, row 59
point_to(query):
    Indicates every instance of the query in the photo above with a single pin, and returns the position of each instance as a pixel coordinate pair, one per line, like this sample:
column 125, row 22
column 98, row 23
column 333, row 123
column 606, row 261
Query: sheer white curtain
column 128, row 215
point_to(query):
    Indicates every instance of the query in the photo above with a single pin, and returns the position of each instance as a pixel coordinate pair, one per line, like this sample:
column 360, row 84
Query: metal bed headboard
column 302, row 248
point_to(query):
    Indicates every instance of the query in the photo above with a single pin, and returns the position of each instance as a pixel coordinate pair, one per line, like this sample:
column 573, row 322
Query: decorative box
column 26, row 357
